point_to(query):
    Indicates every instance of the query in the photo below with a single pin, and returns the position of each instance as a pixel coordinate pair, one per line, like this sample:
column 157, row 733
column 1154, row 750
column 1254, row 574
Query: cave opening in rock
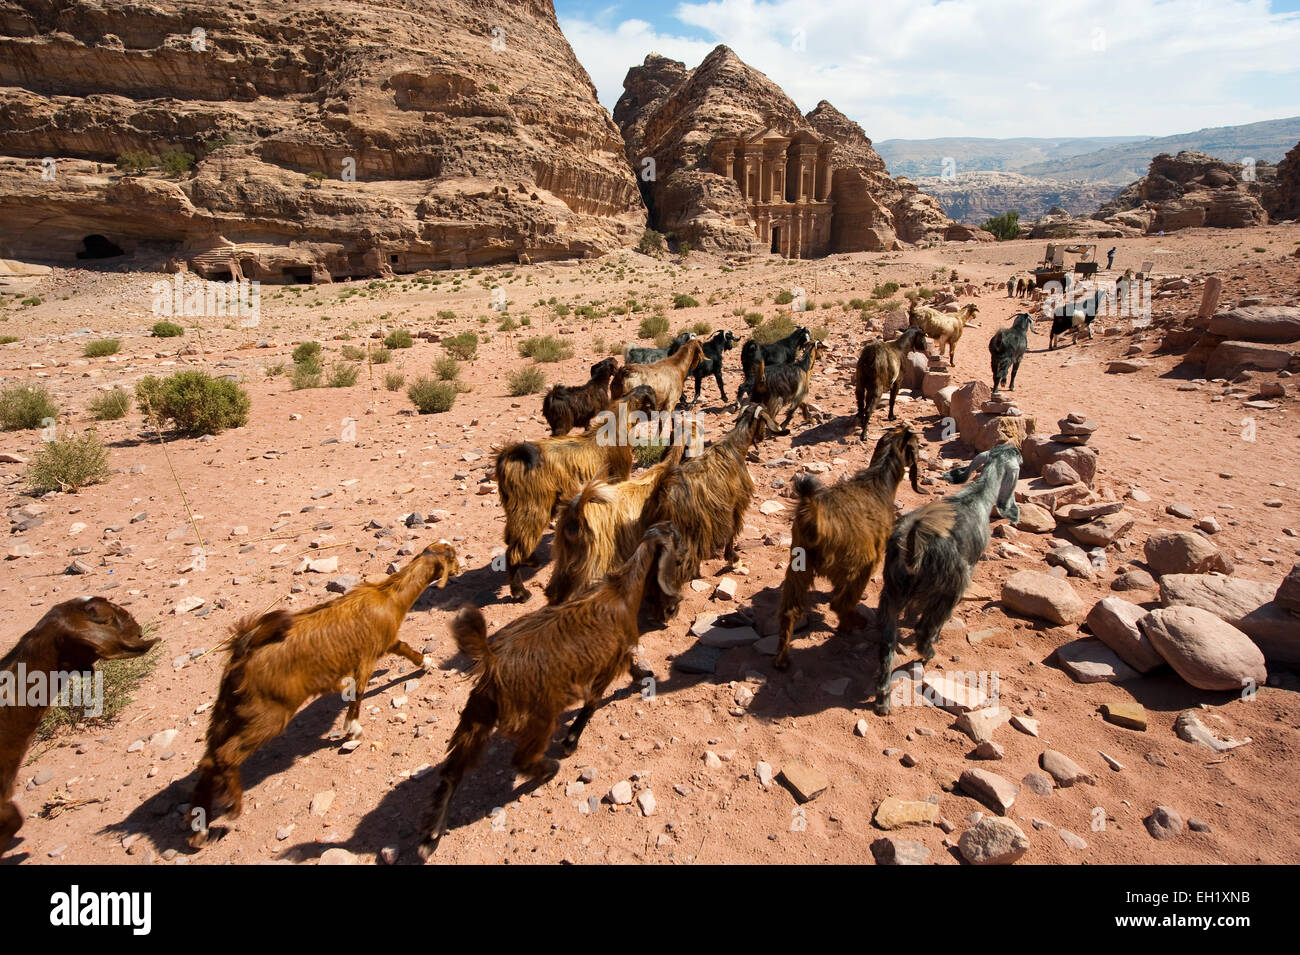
column 776, row 240
column 222, row 276
column 299, row 276
column 98, row 247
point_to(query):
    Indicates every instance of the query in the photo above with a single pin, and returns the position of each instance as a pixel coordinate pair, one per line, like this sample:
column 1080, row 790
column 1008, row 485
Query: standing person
column 1110, row 259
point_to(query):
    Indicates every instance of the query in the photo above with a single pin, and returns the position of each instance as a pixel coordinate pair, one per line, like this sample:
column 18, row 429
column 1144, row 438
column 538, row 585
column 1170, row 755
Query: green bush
column 9, row 339
column 773, row 329
column 195, row 402
column 167, row 330
column 275, row 370
column 101, row 348
column 545, row 348
column 432, row 397
column 394, row 380
column 652, row 242
column 463, row 346
column 136, row 161
column 23, row 408
column 884, row 290
column 753, row 318
column 380, row 355
column 67, row 464
column 308, row 374
column 174, row 162
column 507, row 324
column 399, row 338
column 448, row 368
column 681, row 300
column 525, row 381
column 784, row 297
column 651, row 326
column 343, row 376
column 352, row 353
column 111, row 405
column 701, row 328
column 1003, row 227
column 305, row 351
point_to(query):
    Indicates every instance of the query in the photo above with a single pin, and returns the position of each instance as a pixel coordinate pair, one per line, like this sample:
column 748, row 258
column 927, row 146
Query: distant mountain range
column 991, row 176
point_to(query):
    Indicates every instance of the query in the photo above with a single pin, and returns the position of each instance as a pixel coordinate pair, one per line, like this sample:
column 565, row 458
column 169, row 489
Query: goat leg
column 404, row 649
column 360, row 678
column 11, row 820
column 579, row 724
column 794, row 595
column 467, row 744
column 888, row 638
column 893, row 396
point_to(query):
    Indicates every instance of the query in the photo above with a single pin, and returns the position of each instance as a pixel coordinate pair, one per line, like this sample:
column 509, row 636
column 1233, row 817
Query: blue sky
column 920, row 69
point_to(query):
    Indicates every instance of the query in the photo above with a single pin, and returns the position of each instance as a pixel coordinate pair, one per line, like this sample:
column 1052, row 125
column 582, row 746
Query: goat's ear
column 448, row 564
column 109, row 632
column 666, row 574
column 914, row 460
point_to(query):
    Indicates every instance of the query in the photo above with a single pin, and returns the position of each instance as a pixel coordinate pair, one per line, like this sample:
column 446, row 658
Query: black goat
column 566, row 408
column 1007, row 349
column 1072, row 316
column 780, row 352
column 932, row 552
column 711, row 363
column 637, row 355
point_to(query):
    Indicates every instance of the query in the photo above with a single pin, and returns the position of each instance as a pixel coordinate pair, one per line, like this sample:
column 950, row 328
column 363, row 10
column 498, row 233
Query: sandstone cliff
column 671, row 117
column 331, row 139
column 1189, row 190
column 1282, row 195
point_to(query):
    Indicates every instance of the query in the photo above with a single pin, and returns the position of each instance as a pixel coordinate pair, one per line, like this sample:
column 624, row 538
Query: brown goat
column 67, row 640
column 879, row 367
column 280, row 660
column 601, row 527
column 840, row 533
column 536, row 667
column 533, row 477
column 566, row 408
column 666, row 377
column 707, row 496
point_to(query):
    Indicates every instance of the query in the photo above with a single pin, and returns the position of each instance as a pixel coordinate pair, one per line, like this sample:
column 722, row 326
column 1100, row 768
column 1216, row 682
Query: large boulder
column 1043, row 596
column 1278, row 324
column 1230, row 358
column 1115, row 623
column 965, row 405
column 1039, row 451
column 1184, row 552
column 1206, row 652
column 1248, row 605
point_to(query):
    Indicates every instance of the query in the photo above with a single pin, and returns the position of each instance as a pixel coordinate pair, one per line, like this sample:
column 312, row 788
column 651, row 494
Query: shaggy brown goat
column 666, row 377
column 279, row 660
column 536, row 667
column 566, row 408
column 68, row 639
column 706, row 497
column 840, row 533
column 533, row 477
column 879, row 367
column 601, row 527
column 943, row 327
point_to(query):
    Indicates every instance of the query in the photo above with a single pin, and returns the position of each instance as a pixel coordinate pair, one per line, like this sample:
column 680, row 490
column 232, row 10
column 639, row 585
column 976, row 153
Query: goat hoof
column 781, row 663
column 427, row 661
column 198, row 840
column 882, row 709
column 640, row 671
column 428, row 848
column 548, row 768
column 354, row 729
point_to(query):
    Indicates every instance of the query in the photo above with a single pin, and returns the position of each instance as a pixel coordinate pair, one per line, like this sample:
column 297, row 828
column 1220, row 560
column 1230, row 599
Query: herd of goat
column 623, row 544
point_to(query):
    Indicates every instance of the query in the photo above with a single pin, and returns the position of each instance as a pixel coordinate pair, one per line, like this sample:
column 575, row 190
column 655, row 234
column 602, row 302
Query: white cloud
column 926, row 68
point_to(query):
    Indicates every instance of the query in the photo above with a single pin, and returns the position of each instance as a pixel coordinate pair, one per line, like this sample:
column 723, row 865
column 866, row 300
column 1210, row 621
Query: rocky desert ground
column 322, row 487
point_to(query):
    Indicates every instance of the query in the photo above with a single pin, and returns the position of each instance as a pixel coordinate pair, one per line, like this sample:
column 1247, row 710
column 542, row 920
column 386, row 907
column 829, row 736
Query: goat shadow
column 798, row 690
column 481, row 585
column 397, row 820
column 159, row 817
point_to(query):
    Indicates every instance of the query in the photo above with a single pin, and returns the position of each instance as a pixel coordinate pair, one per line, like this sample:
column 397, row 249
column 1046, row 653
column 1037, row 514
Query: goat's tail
column 469, row 630
column 912, row 545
